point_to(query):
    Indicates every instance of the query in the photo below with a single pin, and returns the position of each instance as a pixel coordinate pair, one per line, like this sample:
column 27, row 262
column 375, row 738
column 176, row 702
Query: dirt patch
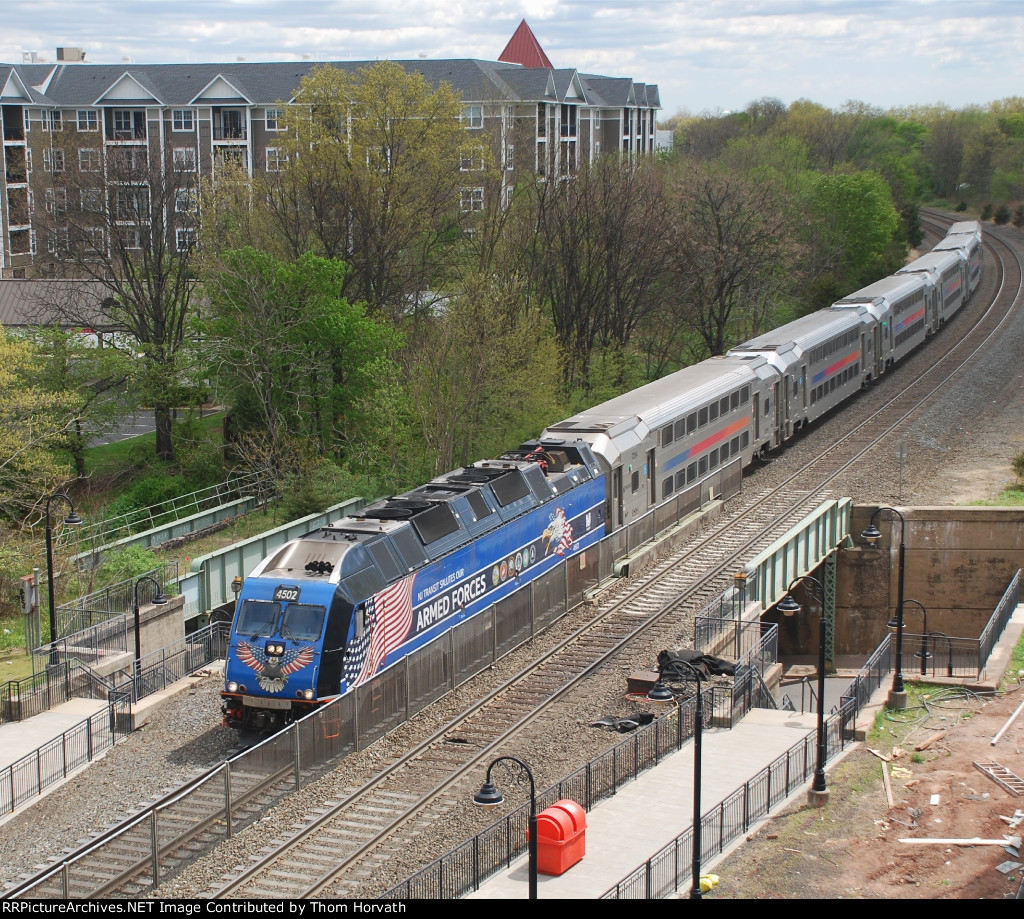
column 853, row 848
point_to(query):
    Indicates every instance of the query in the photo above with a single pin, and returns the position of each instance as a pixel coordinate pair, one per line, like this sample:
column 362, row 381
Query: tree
column 124, row 216
column 853, row 234
column 370, row 170
column 32, row 418
column 731, row 253
column 598, row 255
column 299, row 356
column 485, row 374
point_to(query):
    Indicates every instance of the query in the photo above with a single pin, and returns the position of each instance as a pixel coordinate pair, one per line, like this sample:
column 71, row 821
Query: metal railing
column 175, row 661
column 84, row 622
column 103, row 532
column 31, row 775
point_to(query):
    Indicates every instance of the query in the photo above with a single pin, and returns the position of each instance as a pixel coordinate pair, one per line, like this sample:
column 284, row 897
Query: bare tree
column 731, row 248
column 124, row 216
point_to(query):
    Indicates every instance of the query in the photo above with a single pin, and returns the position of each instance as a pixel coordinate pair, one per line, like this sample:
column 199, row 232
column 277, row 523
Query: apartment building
column 195, row 118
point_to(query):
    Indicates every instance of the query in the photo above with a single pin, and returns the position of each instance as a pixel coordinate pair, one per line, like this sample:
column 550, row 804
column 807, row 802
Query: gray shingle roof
column 69, row 85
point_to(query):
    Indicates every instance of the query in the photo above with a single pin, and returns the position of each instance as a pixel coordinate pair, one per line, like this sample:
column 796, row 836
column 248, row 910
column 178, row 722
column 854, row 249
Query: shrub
column 125, row 564
column 961, row 207
column 1018, row 466
column 986, row 212
column 1018, row 216
column 1002, row 215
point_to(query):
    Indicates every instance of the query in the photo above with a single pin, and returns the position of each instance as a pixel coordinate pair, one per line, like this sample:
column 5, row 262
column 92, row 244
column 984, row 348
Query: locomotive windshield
column 303, row 622
column 257, row 617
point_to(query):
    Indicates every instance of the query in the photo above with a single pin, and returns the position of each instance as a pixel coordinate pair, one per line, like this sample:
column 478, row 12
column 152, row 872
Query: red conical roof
column 524, row 49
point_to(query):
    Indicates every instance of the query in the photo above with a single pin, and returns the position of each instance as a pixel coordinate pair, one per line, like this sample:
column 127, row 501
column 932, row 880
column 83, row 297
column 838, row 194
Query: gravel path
column 958, row 451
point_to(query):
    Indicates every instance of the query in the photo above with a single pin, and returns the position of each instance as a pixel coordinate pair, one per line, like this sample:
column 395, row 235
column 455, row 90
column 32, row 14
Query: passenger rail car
column 329, row 610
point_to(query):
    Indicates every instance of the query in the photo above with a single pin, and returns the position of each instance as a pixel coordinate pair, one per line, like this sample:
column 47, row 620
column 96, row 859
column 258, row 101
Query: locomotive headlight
column 232, row 686
column 275, row 649
column 308, row 694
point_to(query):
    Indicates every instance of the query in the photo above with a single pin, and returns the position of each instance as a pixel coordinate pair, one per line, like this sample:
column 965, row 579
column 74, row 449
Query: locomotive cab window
column 257, row 618
column 303, row 621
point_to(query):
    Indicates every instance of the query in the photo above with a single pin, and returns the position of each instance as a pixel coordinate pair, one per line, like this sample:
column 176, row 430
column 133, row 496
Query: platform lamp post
column 923, row 653
column 788, row 606
column 490, row 796
column 159, row 599
column 898, row 693
column 72, row 519
column 661, row 693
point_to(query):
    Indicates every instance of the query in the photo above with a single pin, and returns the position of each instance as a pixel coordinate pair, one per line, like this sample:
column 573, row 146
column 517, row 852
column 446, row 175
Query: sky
column 705, row 56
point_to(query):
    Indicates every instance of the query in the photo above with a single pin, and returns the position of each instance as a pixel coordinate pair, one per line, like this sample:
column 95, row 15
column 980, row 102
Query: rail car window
column 691, row 473
column 745, row 440
column 702, row 466
column 734, row 400
column 735, row 446
column 723, row 406
column 666, row 488
column 385, row 560
column 680, row 429
column 636, row 481
column 303, row 621
column 725, row 451
column 713, row 411
column 680, row 480
column 479, row 505
column 666, row 435
column 257, row 617
column 745, row 395
column 703, row 416
column 691, row 422
column 714, row 459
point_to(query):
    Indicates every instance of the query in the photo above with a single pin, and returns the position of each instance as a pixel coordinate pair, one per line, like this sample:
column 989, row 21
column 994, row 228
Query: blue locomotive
column 331, row 609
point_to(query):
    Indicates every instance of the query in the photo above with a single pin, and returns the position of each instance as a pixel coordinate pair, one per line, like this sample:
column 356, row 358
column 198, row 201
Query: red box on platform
column 561, row 837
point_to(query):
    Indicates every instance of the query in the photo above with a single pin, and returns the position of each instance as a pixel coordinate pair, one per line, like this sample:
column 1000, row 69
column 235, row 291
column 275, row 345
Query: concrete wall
column 959, row 561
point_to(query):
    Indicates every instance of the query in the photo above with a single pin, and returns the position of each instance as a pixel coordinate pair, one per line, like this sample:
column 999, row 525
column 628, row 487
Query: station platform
column 20, row 738
column 626, row 829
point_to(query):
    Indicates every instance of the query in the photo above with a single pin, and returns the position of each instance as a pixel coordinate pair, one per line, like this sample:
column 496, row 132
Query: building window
column 95, row 241
column 132, row 204
column 472, row 199
column 186, row 201
column 129, row 124
column 184, row 159
column 53, row 160
column 510, row 156
column 182, row 119
column 185, row 239
column 471, row 160
column 510, row 192
column 28, row 158
column 88, row 120
column 473, row 116
column 52, row 120
column 130, row 237
column 89, row 159
column 276, row 159
column 128, row 162
column 274, row 118
column 57, row 241
column 56, row 201
column 92, row 200
column 597, row 118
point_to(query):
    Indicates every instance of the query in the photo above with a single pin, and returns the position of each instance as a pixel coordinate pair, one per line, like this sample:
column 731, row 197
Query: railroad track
column 339, row 849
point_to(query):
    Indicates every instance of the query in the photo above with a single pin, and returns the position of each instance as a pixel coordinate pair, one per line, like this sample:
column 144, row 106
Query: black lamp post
column 788, row 606
column 898, row 693
column 661, row 693
column 158, row 600
column 490, row 796
column 923, row 652
column 72, row 519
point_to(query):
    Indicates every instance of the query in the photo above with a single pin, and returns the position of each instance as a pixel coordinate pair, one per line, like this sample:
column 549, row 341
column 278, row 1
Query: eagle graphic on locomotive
column 331, row 609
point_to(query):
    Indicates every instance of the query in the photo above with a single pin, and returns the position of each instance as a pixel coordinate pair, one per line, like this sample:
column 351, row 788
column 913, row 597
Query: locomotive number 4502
column 286, row 594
